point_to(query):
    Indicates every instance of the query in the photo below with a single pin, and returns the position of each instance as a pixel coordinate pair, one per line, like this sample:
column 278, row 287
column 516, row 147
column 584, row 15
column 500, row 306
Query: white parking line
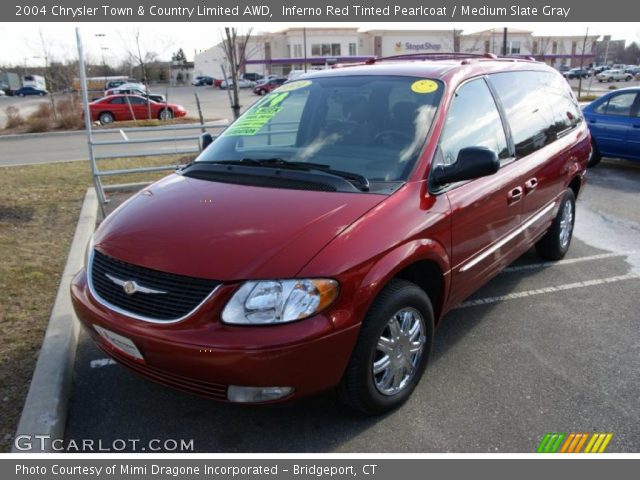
column 102, row 362
column 533, row 266
column 540, row 291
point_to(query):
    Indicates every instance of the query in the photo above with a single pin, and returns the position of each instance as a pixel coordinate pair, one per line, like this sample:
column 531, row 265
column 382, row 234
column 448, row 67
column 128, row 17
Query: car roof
column 117, row 95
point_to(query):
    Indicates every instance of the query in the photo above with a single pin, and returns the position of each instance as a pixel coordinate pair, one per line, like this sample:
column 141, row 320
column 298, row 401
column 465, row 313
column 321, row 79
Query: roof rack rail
column 453, row 55
column 433, row 56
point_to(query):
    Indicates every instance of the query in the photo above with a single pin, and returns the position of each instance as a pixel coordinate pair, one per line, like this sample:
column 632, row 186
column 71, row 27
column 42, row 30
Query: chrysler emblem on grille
column 131, row 286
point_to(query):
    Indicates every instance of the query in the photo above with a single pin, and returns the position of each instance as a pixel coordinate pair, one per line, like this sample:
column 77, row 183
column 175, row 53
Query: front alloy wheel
column 399, row 351
column 392, row 349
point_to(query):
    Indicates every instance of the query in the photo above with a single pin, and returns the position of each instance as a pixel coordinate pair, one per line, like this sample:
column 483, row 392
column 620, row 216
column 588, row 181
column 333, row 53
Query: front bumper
column 203, row 356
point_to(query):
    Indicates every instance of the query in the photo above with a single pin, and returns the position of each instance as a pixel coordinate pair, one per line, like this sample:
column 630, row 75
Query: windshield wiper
column 360, row 181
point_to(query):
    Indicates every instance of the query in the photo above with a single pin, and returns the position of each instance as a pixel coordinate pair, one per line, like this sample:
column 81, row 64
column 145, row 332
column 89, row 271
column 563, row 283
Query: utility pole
column 101, row 36
column 504, row 41
column 304, row 46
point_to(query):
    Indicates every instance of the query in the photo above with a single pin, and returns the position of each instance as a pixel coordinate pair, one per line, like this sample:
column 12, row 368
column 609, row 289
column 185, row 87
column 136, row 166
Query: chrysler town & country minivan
column 321, row 238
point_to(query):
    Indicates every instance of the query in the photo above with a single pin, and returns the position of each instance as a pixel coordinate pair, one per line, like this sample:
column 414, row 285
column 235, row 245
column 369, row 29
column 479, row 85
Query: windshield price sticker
column 424, row 86
column 253, row 121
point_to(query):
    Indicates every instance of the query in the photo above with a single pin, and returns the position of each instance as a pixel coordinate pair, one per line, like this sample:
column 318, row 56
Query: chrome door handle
column 530, row 185
column 514, row 195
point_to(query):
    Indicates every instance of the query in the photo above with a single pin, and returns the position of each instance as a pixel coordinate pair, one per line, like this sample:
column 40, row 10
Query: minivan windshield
column 372, row 126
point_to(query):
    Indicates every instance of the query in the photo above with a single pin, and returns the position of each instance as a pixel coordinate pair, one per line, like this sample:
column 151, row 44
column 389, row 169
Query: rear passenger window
column 539, row 107
column 473, row 121
column 618, row 105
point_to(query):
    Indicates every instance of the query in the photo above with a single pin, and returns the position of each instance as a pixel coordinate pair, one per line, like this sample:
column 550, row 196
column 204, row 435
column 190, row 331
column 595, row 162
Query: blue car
column 21, row 92
column 614, row 123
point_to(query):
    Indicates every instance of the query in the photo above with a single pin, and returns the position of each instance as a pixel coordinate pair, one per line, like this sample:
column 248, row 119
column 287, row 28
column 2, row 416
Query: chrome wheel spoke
column 381, row 365
column 385, row 345
column 408, row 366
column 394, row 328
column 398, row 375
column 416, row 346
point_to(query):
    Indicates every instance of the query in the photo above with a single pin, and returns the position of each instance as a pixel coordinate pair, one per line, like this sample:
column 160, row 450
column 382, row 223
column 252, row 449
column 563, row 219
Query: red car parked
column 268, row 86
column 116, row 108
column 322, row 237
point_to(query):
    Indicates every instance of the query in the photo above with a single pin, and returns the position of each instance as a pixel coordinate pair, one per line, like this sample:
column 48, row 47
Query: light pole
column 101, row 36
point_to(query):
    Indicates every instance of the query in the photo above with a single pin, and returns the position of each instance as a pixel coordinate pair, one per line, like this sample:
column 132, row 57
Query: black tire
column 105, row 118
column 610, row 79
column 358, row 388
column 21, row 94
column 595, row 157
column 554, row 246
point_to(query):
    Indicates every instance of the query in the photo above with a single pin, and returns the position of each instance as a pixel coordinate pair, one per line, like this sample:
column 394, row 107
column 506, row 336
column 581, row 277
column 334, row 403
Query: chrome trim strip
column 508, row 237
column 136, row 285
column 135, row 316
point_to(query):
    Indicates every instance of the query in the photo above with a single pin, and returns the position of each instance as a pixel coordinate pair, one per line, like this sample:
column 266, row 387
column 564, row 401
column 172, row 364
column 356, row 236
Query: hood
column 227, row 232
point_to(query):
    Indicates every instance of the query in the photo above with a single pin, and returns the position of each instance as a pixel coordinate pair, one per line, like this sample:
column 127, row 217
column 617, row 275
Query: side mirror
column 205, row 140
column 472, row 162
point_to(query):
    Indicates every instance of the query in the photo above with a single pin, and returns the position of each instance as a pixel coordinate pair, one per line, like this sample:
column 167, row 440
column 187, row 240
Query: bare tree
column 46, row 56
column 141, row 56
column 234, row 47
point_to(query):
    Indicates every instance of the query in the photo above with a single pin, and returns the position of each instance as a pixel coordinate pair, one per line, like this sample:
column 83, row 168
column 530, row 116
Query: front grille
column 183, row 294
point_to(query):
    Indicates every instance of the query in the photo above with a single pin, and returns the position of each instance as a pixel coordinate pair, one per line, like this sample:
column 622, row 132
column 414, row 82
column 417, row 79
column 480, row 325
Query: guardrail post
column 87, row 124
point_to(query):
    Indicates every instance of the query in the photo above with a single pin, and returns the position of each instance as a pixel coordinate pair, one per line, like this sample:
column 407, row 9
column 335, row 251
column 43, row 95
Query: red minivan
column 318, row 241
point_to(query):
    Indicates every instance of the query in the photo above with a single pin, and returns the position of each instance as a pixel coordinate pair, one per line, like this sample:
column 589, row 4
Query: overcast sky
column 21, row 41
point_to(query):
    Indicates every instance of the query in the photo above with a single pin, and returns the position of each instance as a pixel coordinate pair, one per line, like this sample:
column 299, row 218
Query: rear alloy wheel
column 392, row 350
column 106, row 118
column 165, row 114
column 555, row 243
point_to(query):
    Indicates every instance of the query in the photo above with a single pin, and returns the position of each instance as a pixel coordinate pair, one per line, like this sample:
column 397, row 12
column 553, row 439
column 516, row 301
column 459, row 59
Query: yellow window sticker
column 287, row 87
column 256, row 118
column 424, row 86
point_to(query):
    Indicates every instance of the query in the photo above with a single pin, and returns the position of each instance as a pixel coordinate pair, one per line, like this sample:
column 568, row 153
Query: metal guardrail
column 96, row 145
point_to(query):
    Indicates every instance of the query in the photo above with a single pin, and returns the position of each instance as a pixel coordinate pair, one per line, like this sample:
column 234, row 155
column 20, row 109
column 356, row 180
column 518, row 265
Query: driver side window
column 473, row 121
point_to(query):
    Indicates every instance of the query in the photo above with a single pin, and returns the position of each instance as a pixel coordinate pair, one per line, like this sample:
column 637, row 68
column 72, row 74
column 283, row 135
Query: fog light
column 236, row 393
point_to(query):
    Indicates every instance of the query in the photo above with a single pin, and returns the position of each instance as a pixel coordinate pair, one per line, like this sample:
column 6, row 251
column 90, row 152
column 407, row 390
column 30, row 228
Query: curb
column 45, row 408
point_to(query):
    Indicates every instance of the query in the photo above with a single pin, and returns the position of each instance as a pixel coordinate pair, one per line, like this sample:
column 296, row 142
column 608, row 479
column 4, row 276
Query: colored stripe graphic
column 554, row 442
column 550, row 443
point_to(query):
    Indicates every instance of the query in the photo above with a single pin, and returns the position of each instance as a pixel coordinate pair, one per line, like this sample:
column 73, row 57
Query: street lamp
column 103, row 49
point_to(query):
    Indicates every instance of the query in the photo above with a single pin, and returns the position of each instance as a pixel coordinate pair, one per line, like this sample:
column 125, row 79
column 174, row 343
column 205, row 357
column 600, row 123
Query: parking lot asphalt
column 541, row 348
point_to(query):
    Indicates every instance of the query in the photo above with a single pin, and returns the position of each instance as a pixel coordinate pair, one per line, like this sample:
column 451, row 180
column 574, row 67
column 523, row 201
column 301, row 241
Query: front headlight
column 279, row 301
